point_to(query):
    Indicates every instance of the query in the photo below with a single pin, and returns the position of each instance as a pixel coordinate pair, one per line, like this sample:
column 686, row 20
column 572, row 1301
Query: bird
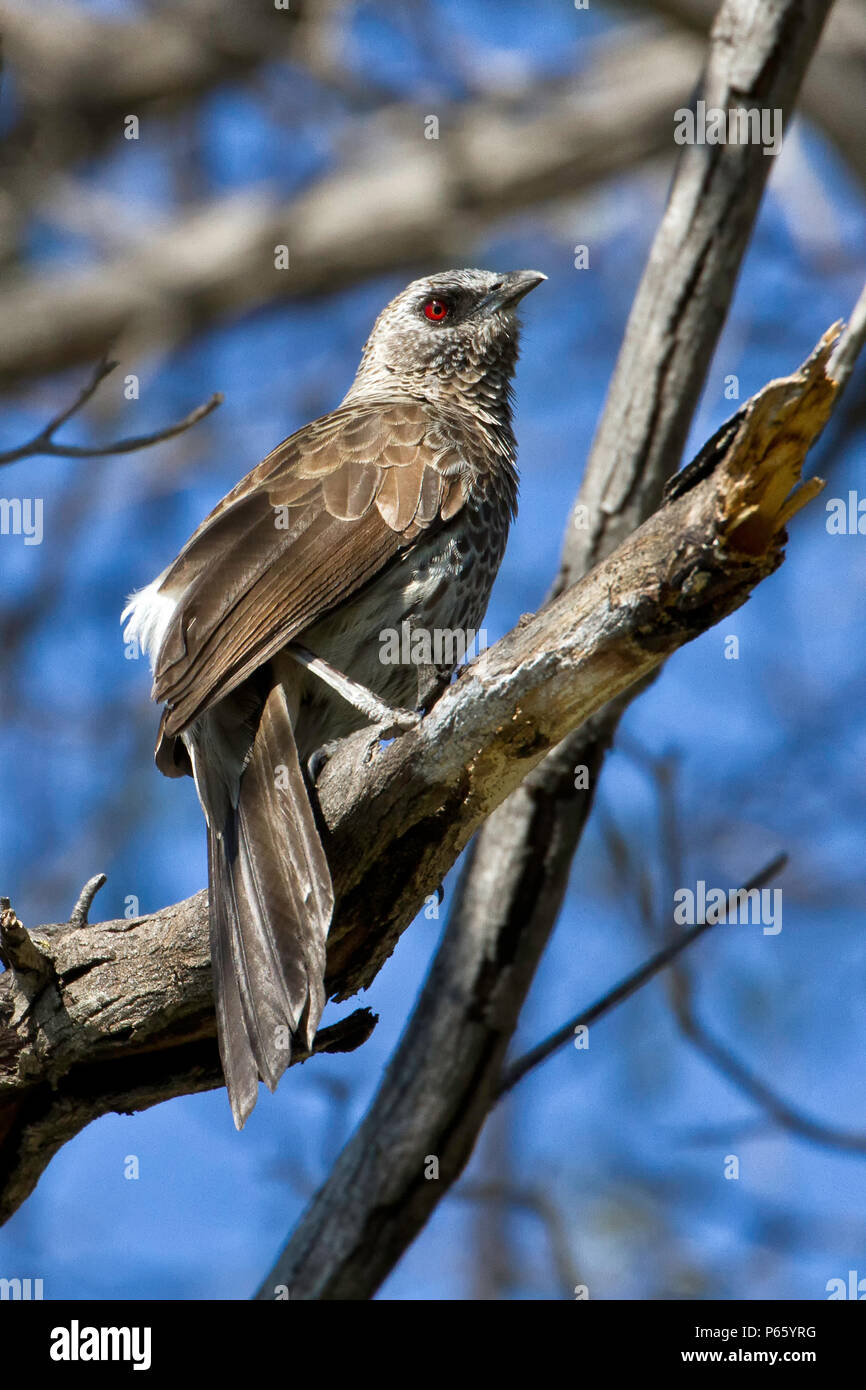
column 264, row 635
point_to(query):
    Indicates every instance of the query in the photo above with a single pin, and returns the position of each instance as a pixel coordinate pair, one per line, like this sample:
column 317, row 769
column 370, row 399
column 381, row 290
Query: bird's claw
column 399, row 721
column 317, row 760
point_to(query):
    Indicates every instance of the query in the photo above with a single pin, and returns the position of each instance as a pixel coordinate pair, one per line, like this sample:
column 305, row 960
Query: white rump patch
column 147, row 616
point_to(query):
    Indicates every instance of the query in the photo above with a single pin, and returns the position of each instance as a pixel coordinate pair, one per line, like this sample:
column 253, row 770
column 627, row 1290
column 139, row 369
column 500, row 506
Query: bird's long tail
column 270, row 899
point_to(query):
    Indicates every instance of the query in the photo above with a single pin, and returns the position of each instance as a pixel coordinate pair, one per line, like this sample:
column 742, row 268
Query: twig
column 44, row 443
column 18, row 951
column 850, row 344
column 78, row 916
column 715, row 1052
column 778, row 1109
column 624, row 990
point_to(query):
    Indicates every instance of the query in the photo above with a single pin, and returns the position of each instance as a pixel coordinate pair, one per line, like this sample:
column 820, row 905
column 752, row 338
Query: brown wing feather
column 349, row 492
column 320, row 516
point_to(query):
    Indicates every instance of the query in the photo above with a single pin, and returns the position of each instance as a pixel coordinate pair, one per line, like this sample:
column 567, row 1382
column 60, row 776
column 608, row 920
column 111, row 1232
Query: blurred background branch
column 45, row 443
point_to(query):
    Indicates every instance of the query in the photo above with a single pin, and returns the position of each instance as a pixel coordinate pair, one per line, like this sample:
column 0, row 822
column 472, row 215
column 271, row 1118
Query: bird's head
column 448, row 336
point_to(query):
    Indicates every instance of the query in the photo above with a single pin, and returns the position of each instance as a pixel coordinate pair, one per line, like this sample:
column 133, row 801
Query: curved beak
column 511, row 289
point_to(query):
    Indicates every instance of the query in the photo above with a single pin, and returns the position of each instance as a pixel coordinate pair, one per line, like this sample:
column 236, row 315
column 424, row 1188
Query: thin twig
column 776, row 1108
column 44, row 443
column 78, row 916
column 627, row 987
column 715, row 1052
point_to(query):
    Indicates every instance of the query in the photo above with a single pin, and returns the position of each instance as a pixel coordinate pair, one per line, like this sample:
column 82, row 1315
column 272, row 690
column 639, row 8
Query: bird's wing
column 327, row 510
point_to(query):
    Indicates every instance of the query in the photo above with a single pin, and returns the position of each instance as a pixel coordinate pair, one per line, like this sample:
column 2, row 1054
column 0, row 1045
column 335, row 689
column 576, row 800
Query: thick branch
column 79, row 75
column 834, row 92
column 126, row 1016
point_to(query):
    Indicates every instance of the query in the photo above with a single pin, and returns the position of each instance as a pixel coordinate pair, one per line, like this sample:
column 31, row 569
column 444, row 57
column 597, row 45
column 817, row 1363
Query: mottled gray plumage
column 395, row 507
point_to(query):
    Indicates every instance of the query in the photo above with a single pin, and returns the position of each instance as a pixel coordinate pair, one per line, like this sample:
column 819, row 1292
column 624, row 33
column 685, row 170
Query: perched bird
column 264, row 633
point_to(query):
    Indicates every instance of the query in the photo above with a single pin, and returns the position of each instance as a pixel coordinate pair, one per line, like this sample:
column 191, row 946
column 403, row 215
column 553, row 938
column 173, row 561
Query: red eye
column 434, row 309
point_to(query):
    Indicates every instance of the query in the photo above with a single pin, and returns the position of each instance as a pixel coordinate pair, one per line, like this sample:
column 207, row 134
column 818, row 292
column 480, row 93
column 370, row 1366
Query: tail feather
column 271, row 902
column 238, row 1063
column 274, row 794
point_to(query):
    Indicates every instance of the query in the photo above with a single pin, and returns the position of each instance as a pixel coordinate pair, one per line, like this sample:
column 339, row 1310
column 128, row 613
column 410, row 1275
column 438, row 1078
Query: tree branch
column 834, row 92
column 391, row 210
column 520, row 1068
column 44, row 442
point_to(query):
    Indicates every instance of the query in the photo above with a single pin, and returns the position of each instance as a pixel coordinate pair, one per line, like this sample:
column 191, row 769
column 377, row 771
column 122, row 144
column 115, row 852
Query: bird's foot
column 317, row 760
column 432, row 681
column 395, row 723
column 399, row 721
